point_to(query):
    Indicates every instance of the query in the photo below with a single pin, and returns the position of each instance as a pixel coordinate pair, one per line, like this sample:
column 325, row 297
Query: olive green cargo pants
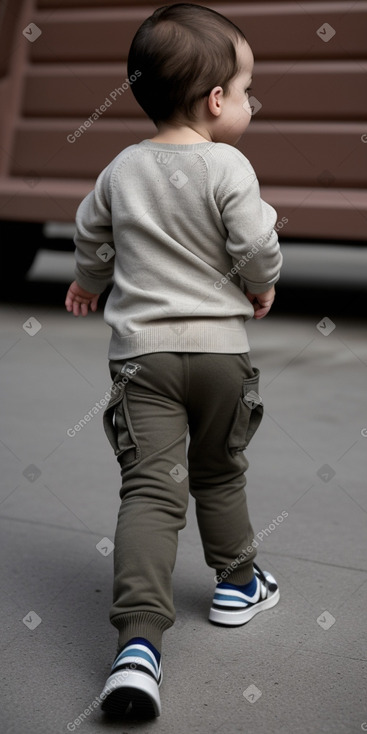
column 156, row 399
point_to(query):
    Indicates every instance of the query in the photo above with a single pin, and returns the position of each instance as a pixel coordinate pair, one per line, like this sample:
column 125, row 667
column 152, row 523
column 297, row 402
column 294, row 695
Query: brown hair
column 182, row 52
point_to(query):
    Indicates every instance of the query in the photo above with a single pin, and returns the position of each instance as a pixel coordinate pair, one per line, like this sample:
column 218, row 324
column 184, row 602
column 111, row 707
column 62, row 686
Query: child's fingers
column 94, row 302
column 69, row 301
column 80, row 308
column 261, row 312
column 76, row 309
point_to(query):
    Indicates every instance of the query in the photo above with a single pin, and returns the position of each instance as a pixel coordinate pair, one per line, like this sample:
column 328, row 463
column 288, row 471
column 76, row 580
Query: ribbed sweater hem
column 208, row 335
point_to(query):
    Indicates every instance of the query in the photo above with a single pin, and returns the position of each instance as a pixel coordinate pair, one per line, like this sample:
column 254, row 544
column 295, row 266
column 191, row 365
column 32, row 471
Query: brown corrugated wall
column 307, row 141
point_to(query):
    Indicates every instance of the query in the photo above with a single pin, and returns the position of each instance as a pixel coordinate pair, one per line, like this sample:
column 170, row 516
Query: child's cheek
column 247, row 107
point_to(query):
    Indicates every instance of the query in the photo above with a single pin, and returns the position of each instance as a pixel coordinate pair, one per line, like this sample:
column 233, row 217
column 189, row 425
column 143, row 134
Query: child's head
column 192, row 59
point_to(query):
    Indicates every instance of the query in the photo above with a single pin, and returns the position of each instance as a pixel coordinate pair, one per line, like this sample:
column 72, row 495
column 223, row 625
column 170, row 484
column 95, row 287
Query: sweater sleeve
column 252, row 240
column 93, row 240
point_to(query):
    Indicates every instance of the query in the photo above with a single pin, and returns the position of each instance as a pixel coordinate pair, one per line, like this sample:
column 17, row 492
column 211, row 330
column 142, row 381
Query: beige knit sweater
column 181, row 231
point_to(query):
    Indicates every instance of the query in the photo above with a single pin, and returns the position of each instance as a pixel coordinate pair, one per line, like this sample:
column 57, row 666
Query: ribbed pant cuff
column 240, row 575
column 141, row 624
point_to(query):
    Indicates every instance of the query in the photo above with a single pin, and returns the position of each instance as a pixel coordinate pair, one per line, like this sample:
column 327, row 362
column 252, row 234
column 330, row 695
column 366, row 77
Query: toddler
column 177, row 224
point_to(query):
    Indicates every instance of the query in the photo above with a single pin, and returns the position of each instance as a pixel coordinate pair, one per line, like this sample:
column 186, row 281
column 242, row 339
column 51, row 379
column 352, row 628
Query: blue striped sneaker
column 232, row 607
column 135, row 678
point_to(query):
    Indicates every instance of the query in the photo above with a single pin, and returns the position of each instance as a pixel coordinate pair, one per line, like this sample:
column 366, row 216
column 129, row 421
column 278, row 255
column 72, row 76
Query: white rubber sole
column 241, row 616
column 133, row 687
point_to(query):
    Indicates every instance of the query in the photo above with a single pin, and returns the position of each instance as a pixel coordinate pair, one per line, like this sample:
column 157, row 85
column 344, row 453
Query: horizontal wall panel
column 280, row 31
column 59, row 4
column 311, row 90
column 307, row 153
column 282, row 153
column 60, row 91
column 290, row 90
column 29, row 199
column 316, row 214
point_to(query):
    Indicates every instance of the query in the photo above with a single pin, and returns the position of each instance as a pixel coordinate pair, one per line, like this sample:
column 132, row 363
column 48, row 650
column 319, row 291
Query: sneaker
column 134, row 680
column 232, row 607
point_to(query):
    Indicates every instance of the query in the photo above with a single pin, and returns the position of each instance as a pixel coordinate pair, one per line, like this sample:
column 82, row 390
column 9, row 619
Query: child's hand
column 77, row 300
column 262, row 302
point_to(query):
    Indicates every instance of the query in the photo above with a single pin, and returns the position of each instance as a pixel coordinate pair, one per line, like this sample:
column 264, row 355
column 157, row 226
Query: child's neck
column 180, row 135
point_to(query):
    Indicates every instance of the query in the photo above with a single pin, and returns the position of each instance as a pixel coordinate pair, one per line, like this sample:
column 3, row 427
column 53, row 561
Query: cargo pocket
column 118, row 427
column 248, row 414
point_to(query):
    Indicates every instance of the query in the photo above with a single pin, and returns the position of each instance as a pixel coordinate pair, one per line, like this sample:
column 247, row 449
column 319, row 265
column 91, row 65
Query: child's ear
column 215, row 101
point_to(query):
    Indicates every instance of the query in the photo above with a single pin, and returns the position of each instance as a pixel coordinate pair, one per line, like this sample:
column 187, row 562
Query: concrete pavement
column 298, row 668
